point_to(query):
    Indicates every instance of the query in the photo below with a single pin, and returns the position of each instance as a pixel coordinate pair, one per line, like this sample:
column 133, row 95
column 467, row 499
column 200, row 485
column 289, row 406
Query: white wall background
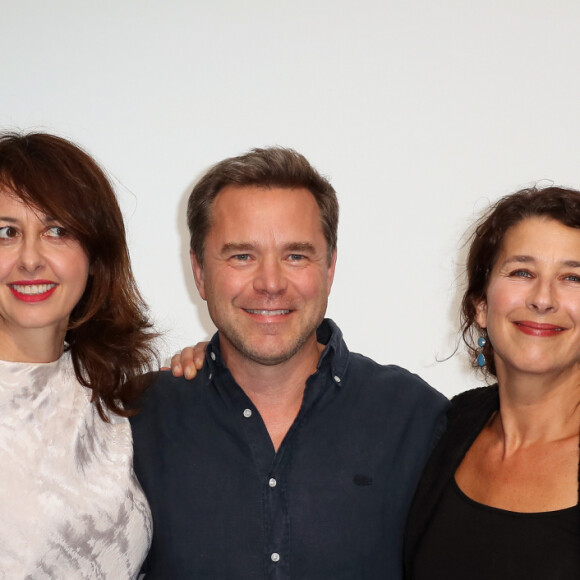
column 420, row 112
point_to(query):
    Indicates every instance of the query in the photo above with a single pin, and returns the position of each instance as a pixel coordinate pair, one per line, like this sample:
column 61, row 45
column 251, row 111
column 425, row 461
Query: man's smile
column 267, row 312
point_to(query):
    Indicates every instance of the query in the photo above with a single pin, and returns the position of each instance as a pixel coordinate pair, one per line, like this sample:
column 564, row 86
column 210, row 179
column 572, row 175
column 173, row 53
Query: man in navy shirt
column 289, row 457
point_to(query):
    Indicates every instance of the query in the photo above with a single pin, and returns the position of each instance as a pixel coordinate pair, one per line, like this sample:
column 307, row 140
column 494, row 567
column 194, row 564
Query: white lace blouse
column 70, row 505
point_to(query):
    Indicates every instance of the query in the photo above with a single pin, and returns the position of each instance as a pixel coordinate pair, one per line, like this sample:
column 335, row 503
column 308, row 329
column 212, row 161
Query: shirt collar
column 334, row 355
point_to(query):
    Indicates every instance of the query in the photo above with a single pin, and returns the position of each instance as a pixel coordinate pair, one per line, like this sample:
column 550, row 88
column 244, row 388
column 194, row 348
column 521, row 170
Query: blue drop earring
column 481, row 342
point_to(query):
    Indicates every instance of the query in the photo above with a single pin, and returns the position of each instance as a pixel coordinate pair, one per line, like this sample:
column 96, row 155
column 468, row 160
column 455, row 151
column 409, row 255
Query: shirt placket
column 273, row 470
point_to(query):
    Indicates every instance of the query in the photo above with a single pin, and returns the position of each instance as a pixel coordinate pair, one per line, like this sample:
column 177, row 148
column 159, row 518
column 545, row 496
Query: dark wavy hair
column 109, row 336
column 267, row 168
column 557, row 203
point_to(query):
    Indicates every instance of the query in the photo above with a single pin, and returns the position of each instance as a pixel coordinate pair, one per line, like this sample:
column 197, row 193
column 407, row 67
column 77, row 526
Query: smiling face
column 532, row 306
column 266, row 275
column 43, row 274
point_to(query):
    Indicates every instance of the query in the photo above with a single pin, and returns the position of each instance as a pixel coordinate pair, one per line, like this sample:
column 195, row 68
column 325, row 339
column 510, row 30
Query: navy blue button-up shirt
column 330, row 504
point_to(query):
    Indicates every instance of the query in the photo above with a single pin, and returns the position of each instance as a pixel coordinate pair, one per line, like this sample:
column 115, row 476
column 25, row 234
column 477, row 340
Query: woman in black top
column 499, row 496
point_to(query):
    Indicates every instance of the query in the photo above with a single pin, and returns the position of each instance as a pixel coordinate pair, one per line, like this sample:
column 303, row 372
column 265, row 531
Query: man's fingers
column 187, row 362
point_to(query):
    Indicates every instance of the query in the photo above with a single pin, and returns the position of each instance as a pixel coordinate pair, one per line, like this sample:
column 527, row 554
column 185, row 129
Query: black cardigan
column 468, row 415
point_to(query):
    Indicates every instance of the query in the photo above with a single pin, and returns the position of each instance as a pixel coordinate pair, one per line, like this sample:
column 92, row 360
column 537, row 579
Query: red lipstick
column 538, row 328
column 32, row 290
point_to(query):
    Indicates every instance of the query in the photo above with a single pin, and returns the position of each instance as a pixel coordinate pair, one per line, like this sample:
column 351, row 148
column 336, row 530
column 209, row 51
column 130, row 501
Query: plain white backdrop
column 420, row 112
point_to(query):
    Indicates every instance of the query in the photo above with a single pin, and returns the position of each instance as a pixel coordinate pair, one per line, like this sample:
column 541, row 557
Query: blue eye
column 521, row 273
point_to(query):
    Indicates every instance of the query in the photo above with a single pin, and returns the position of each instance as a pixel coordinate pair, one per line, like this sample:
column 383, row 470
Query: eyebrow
column 237, row 247
column 305, row 247
column 529, row 259
column 45, row 219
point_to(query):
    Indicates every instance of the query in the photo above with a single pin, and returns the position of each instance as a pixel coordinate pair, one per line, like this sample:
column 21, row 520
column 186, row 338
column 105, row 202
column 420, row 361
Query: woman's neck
column 537, row 409
column 31, row 345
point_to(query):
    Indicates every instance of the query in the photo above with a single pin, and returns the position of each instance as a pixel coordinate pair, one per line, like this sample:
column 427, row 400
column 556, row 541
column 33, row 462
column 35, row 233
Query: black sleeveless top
column 469, row 540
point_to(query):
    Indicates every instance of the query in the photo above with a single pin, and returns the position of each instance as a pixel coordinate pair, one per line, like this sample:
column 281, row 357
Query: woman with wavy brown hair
column 499, row 497
column 74, row 345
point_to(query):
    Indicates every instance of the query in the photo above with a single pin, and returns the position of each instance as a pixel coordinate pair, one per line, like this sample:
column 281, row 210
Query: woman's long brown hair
column 109, row 335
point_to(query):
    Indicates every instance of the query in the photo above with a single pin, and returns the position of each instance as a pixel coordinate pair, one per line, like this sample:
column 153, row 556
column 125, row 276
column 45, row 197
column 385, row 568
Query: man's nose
column 270, row 277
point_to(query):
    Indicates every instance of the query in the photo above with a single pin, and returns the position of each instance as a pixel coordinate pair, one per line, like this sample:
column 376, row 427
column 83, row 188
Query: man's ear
column 198, row 274
column 481, row 312
column 330, row 271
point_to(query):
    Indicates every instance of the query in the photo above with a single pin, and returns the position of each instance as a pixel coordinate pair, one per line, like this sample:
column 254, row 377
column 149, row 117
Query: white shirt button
column 210, row 376
column 275, row 557
column 272, row 482
column 212, row 354
column 247, row 413
column 337, row 378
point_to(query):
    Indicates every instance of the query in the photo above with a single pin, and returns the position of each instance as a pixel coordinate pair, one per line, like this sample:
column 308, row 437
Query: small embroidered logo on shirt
column 360, row 479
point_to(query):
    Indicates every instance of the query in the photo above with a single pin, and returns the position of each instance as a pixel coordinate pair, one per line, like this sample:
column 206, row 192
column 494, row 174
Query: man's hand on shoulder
column 187, row 362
